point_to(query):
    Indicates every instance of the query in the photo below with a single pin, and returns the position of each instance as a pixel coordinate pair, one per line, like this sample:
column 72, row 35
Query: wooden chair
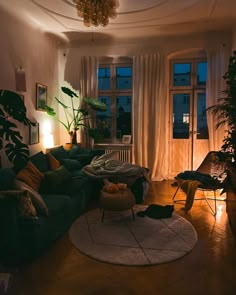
column 209, row 176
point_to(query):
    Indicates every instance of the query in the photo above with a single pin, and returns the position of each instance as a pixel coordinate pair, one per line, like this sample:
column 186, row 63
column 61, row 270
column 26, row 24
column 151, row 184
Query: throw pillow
column 25, row 206
column 36, row 198
column 71, row 164
column 30, row 175
column 7, row 177
column 40, row 161
column 59, row 153
column 56, row 179
column 53, row 162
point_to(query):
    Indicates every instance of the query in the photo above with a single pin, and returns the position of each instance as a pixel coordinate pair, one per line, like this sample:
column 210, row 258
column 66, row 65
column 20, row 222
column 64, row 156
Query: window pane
column 103, row 119
column 182, row 74
column 104, row 81
column 123, row 78
column 181, row 111
column 123, row 115
column 201, row 73
column 202, row 129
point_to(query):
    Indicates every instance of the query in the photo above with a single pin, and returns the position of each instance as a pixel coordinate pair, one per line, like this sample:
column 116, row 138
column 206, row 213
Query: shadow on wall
column 82, row 44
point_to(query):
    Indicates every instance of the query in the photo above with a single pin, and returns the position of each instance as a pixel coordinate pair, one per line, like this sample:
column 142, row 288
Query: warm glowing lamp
column 48, row 140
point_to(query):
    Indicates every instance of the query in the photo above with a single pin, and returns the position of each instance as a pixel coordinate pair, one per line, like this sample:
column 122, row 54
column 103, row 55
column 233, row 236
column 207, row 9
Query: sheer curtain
column 88, row 86
column 150, row 114
column 217, row 59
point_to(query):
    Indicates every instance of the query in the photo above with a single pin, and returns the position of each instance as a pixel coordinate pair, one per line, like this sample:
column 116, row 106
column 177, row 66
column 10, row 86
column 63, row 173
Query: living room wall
column 36, row 52
column 234, row 39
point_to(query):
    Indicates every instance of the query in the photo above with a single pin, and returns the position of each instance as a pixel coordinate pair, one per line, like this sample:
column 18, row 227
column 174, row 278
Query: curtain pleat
column 217, row 59
column 88, row 86
column 150, row 116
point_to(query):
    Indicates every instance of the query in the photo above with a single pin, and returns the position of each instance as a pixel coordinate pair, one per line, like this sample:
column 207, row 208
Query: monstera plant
column 75, row 117
column 12, row 109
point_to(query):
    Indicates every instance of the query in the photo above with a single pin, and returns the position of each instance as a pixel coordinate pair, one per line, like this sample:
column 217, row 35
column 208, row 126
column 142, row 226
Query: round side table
column 117, row 201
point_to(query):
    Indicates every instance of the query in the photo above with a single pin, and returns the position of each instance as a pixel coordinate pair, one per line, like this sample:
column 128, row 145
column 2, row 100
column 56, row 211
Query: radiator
column 123, row 155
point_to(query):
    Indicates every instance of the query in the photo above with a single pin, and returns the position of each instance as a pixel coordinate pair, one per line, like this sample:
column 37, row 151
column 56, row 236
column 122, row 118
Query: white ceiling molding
column 136, row 19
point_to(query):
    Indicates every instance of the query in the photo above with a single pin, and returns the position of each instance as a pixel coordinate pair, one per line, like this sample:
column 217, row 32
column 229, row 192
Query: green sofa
column 23, row 239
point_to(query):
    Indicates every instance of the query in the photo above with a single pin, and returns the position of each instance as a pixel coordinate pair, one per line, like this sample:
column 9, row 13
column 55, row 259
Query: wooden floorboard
column 210, row 268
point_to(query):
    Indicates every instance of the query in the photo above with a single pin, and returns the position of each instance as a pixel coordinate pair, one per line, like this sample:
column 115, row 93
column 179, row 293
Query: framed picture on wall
column 34, row 133
column 41, row 97
column 126, row 139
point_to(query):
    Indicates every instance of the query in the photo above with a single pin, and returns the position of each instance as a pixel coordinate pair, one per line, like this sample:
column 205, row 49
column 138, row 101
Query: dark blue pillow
column 40, row 161
column 7, row 178
column 71, row 164
column 59, row 153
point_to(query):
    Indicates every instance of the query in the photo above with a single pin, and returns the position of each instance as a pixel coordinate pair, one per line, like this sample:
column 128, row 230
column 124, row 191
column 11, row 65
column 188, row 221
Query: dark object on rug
column 157, row 211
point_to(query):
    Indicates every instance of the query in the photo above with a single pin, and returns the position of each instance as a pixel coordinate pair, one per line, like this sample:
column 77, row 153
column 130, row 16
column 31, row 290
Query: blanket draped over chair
column 108, row 167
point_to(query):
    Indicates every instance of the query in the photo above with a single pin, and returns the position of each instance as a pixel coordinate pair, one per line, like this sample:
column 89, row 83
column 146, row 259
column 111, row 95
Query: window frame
column 114, row 92
column 193, row 73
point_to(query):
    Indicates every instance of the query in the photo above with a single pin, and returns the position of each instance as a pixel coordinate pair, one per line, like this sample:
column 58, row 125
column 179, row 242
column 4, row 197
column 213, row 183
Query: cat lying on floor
column 157, row 211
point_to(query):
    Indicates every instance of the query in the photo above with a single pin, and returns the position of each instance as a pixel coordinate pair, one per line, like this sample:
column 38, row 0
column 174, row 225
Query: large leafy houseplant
column 225, row 110
column 12, row 108
column 75, row 117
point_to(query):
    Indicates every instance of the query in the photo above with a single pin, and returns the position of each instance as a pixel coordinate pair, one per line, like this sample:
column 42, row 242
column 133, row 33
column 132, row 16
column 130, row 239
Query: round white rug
column 122, row 240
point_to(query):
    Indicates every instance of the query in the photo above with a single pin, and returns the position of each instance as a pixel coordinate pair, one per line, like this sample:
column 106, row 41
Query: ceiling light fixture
column 96, row 12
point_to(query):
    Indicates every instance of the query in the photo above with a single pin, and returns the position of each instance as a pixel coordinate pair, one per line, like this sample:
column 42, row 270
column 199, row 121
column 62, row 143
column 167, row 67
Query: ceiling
column 136, row 18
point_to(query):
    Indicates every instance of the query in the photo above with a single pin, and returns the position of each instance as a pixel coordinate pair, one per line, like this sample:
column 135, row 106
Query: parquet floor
column 210, row 268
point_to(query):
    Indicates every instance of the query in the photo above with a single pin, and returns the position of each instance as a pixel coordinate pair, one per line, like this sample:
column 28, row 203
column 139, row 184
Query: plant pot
column 68, row 146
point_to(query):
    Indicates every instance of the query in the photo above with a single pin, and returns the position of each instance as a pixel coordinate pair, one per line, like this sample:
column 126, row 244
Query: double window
column 115, row 90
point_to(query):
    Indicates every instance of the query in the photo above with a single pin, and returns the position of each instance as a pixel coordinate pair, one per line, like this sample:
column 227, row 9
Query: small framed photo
column 34, row 133
column 41, row 96
column 126, row 139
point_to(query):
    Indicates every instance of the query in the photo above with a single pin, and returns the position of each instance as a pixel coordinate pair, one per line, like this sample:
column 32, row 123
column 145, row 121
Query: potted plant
column 225, row 110
column 75, row 117
column 12, row 108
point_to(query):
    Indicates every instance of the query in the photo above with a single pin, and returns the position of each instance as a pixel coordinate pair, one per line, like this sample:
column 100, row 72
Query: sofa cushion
column 40, row 161
column 30, row 175
column 59, row 153
column 56, row 179
column 56, row 203
column 71, row 164
column 26, row 207
column 7, row 177
column 36, row 198
column 53, row 162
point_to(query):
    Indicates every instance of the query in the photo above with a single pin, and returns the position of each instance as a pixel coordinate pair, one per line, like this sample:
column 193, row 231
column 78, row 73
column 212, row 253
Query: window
column 188, row 92
column 115, row 90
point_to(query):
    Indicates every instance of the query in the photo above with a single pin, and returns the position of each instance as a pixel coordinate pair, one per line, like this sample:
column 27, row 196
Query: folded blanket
column 189, row 187
column 106, row 166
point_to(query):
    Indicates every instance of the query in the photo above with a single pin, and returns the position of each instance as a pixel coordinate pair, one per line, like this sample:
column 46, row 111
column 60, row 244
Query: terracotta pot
column 68, row 146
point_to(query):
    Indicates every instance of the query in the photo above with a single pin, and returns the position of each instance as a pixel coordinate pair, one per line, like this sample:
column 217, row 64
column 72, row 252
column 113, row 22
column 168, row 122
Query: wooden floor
column 210, row 268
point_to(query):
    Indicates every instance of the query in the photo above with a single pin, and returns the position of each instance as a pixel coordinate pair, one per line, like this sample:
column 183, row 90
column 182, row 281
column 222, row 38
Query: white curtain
column 150, row 114
column 217, row 59
column 88, row 87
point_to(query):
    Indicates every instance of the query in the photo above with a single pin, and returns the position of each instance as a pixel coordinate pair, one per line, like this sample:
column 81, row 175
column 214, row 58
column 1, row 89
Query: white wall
column 234, row 39
column 37, row 53
column 168, row 45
